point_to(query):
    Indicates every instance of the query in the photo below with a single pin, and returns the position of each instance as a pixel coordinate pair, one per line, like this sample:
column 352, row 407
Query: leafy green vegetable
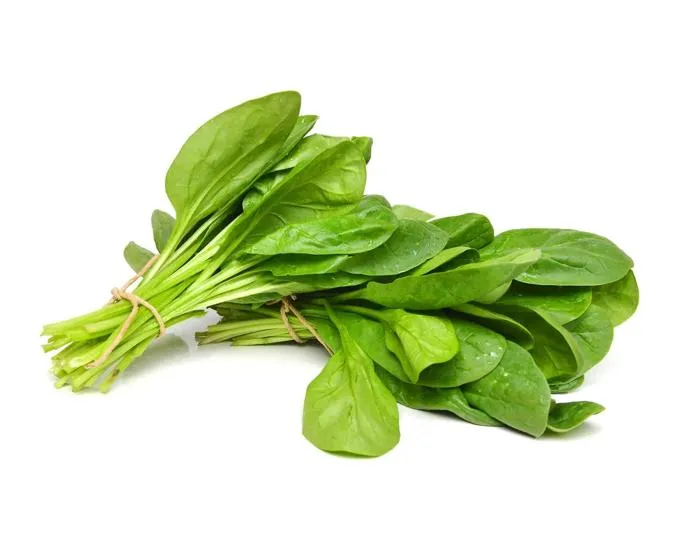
column 593, row 333
column 435, row 399
column 516, row 393
column 443, row 258
column 502, row 324
column 567, row 416
column 563, row 304
column 347, row 407
column 558, row 387
column 480, row 352
column 226, row 154
column 568, row 258
column 136, row 256
column 366, row 226
column 411, row 244
column 370, row 335
column 403, row 211
column 299, row 265
column 619, row 299
column 450, row 288
column 564, row 352
column 421, row 340
column 162, row 225
column 472, row 230
column 273, row 230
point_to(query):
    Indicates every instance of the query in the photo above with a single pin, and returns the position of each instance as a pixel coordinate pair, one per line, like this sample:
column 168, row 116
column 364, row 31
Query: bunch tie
column 287, row 306
column 122, row 294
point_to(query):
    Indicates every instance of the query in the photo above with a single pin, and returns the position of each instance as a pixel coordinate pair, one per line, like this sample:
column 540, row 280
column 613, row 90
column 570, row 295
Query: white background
column 556, row 114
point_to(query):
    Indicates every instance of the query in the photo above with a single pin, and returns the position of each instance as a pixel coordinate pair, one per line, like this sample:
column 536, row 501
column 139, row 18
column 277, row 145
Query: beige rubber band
column 122, row 294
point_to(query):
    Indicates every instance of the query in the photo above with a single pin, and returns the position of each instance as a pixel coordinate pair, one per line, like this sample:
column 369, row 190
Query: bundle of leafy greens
column 272, row 229
column 487, row 329
column 251, row 192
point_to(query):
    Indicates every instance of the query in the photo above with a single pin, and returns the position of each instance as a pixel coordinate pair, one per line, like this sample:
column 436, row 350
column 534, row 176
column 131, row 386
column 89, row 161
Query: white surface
column 534, row 113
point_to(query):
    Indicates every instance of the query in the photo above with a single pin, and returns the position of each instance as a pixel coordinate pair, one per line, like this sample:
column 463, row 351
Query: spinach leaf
column 226, row 155
column 365, row 146
column 412, row 243
column 419, row 341
column 370, row 335
column 493, row 296
column 308, row 150
column 298, row 265
column 403, row 211
column 347, row 407
column 434, row 399
column 162, row 224
column 366, row 226
column 312, row 146
column 516, row 392
column 443, row 258
column 593, row 333
column 568, row 258
column 472, row 230
column 136, row 256
column 554, row 347
column 450, row 288
column 618, row 299
column 480, row 352
column 563, row 304
column 303, row 125
column 502, row 324
column 327, row 185
column 564, row 387
column 567, row 416
column 564, row 352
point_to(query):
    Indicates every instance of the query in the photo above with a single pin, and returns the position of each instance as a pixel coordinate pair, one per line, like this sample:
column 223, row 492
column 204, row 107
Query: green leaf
column 593, row 333
column 347, row 407
column 365, row 146
column 370, row 335
column 326, row 186
column 473, row 230
column 450, row 288
column 443, row 258
column 563, row 304
column 293, row 285
column 502, row 324
column 568, row 258
column 567, row 416
column 434, row 399
column 412, row 243
column 303, row 125
column 162, row 224
column 308, row 150
column 419, row 341
column 136, row 256
column 403, row 211
column 554, row 349
column 225, row 155
column 480, row 352
column 310, row 147
column 516, row 393
column 495, row 295
column 619, row 299
column 366, row 226
column 564, row 352
column 298, row 265
column 564, row 387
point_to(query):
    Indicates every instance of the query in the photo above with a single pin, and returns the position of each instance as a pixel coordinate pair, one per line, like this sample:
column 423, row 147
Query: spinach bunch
column 488, row 329
column 433, row 313
column 253, row 194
